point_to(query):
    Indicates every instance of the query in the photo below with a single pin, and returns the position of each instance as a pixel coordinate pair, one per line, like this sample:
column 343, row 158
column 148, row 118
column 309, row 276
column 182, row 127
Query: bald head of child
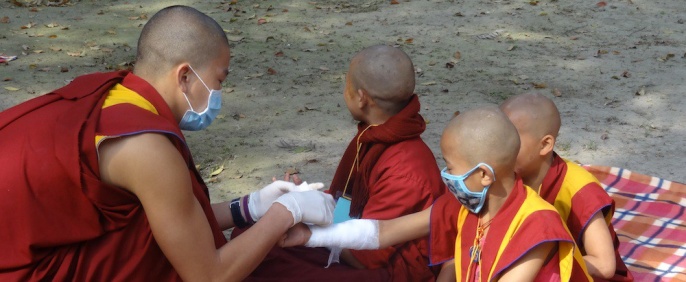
column 481, row 136
column 379, row 83
column 538, row 122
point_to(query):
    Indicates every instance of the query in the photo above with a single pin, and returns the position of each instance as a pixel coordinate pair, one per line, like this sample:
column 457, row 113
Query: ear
column 362, row 98
column 182, row 74
column 547, row 145
column 487, row 177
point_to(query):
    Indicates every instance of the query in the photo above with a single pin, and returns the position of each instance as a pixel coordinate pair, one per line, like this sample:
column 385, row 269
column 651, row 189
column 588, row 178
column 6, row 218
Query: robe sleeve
column 443, row 232
column 588, row 201
column 391, row 197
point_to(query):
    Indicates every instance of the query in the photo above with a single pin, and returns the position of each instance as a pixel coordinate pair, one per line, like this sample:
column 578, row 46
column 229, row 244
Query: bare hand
column 290, row 177
column 298, row 235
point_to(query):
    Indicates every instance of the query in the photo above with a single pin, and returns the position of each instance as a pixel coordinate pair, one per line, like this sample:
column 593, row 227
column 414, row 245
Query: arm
column 447, row 273
column 150, row 167
column 599, row 250
column 526, row 268
column 223, row 215
column 361, row 234
column 393, row 195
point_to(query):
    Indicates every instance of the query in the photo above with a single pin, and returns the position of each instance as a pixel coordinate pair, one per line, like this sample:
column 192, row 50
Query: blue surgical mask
column 473, row 201
column 195, row 121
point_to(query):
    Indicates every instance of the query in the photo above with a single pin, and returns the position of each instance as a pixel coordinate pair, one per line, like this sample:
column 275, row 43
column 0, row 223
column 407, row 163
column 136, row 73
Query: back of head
column 386, row 73
column 482, row 135
column 175, row 35
column 533, row 113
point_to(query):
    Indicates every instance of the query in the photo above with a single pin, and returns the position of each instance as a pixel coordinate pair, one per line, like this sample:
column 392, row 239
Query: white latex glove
column 311, row 207
column 261, row 200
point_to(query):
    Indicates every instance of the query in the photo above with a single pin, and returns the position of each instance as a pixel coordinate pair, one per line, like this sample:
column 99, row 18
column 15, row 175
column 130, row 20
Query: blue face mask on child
column 473, row 201
column 195, row 121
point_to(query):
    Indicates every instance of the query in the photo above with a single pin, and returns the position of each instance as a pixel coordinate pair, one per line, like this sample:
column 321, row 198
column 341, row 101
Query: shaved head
column 482, row 135
column 533, row 114
column 386, row 74
column 175, row 35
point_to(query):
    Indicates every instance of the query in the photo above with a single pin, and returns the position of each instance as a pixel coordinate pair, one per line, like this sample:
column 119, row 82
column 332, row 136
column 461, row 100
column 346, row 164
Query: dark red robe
column 397, row 176
column 515, row 230
column 577, row 195
column 60, row 221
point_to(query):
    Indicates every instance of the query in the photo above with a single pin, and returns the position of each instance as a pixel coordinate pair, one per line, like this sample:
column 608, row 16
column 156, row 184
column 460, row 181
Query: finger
column 297, row 180
column 287, row 177
column 316, row 186
column 273, row 178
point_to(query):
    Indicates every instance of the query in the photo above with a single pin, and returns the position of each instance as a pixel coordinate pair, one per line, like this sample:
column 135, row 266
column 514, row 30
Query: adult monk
column 583, row 204
column 387, row 171
column 98, row 183
column 491, row 222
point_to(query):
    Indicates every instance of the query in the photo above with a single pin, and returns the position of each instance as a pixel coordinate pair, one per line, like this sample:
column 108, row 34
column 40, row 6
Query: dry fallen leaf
column 349, row 23
column 51, row 25
column 450, row 65
column 512, row 47
column 641, row 91
column 278, row 54
column 56, row 49
column 52, row 36
column 557, row 93
column 76, row 54
column 29, row 25
column 307, row 29
column 271, row 71
column 217, row 171
column 409, row 40
column 261, row 21
column 5, row 19
column 38, row 51
column 539, row 85
column 601, row 4
column 604, row 136
column 322, row 68
column 7, row 79
column 10, row 88
column 394, row 2
column 429, row 83
column 457, row 55
column 626, row 74
column 64, row 69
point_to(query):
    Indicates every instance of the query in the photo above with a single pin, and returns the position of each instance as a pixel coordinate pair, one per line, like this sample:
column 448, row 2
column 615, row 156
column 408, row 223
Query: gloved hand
column 260, row 201
column 311, row 207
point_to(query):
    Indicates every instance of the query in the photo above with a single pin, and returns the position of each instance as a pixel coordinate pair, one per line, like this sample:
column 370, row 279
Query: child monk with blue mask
column 493, row 238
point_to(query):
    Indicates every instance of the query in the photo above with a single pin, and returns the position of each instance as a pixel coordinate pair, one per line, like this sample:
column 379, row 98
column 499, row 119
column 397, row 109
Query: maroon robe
column 397, row 176
column 578, row 196
column 60, row 221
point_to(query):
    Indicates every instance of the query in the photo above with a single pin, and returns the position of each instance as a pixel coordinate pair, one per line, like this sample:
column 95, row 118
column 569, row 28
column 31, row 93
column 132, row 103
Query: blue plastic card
column 342, row 211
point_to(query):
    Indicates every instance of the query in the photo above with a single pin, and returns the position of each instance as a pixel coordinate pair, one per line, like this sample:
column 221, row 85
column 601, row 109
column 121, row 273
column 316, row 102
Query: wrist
column 279, row 215
column 240, row 213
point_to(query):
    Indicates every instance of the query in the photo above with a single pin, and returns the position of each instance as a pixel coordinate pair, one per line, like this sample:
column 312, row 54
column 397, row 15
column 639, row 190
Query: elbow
column 607, row 270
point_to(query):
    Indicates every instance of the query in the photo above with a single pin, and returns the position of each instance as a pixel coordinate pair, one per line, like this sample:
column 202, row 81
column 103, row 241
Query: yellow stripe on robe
column 533, row 202
column 119, row 94
column 576, row 178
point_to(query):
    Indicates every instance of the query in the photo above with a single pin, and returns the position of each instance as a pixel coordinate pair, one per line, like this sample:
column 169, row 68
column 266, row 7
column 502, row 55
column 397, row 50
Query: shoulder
column 407, row 156
column 577, row 177
column 128, row 161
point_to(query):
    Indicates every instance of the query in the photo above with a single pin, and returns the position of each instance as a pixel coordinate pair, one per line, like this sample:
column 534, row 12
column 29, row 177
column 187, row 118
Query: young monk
column 576, row 194
column 387, row 171
column 98, row 183
column 497, row 219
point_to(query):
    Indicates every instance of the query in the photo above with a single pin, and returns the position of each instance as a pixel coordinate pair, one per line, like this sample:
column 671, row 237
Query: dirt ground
column 615, row 69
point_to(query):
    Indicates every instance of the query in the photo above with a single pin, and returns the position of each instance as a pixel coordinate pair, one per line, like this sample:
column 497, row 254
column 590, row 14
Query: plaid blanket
column 650, row 220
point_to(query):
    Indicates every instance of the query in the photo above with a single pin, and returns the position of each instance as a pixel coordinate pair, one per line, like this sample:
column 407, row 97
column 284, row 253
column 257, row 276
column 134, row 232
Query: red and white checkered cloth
column 650, row 220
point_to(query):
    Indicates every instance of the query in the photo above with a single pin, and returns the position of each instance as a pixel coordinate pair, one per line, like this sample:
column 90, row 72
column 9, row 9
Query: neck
column 497, row 195
column 536, row 179
column 161, row 85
